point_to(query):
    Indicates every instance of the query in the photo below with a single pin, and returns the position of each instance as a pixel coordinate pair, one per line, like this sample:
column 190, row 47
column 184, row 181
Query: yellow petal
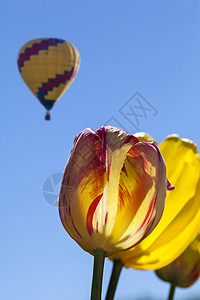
column 181, row 218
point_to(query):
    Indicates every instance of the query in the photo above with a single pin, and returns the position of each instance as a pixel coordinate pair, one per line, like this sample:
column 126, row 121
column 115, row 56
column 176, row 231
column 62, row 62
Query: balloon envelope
column 48, row 66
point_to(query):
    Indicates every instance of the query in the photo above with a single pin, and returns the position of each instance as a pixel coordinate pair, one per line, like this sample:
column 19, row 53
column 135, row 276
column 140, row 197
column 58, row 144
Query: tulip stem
column 99, row 257
column 116, row 271
column 171, row 293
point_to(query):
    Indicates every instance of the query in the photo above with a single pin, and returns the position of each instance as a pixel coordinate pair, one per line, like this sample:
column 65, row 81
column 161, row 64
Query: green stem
column 116, row 271
column 171, row 293
column 99, row 257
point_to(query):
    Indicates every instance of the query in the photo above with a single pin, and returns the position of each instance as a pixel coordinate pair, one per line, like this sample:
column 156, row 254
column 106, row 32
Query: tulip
column 113, row 190
column 180, row 221
column 184, row 270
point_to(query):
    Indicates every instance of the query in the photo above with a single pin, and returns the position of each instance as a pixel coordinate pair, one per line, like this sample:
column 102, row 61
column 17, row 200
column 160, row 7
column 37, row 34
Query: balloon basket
column 48, row 116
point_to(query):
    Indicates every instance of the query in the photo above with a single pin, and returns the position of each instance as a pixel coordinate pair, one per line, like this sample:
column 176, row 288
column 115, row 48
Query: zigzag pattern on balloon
column 55, row 82
column 34, row 50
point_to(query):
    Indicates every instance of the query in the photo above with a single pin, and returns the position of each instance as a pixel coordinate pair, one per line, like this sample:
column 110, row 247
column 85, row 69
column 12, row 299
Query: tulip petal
column 181, row 218
column 139, row 195
column 144, row 137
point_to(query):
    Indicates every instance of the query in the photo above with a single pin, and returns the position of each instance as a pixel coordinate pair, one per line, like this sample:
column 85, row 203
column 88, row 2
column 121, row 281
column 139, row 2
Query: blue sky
column 129, row 49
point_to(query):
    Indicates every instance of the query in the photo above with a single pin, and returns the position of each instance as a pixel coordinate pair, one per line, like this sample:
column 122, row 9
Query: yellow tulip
column 185, row 270
column 180, row 222
column 113, row 190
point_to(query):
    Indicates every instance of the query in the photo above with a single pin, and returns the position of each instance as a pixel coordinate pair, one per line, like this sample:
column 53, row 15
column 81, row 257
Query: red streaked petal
column 90, row 214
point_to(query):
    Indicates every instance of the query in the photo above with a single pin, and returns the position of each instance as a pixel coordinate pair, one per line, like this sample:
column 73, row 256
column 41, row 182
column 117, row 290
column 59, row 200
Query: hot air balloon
column 48, row 66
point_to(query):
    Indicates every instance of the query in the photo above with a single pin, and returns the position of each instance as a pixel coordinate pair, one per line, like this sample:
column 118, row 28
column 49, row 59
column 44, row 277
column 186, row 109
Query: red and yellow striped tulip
column 113, row 190
column 180, row 221
column 185, row 270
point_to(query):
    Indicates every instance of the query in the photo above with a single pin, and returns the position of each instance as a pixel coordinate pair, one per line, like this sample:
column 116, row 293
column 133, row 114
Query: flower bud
column 185, row 270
